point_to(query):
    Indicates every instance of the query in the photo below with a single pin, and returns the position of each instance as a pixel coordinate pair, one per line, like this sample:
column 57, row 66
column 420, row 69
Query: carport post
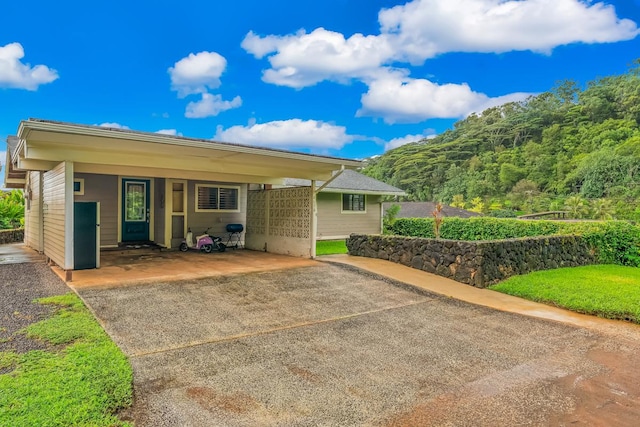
column 314, row 219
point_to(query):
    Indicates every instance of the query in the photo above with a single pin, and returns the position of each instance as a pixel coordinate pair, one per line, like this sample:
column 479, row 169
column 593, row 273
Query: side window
column 354, row 203
column 210, row 198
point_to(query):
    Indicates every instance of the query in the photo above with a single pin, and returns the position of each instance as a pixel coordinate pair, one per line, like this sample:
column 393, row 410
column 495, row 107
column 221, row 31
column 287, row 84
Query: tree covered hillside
column 567, row 149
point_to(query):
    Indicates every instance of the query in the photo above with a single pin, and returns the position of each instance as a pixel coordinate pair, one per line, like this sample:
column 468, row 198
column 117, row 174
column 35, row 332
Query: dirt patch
column 305, row 374
column 20, row 286
column 211, row 400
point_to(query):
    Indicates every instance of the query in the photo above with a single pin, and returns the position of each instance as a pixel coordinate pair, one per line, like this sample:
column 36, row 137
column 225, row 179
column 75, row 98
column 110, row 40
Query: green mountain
column 571, row 148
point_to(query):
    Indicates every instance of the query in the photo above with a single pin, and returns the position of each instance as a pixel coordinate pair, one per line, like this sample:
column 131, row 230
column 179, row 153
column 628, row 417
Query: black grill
column 235, row 228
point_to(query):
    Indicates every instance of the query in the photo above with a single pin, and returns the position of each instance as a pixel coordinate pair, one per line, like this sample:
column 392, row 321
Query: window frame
column 218, row 187
column 351, row 211
column 80, row 181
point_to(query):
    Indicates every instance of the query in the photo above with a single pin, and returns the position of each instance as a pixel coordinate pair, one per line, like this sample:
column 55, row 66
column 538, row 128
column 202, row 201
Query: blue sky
column 350, row 78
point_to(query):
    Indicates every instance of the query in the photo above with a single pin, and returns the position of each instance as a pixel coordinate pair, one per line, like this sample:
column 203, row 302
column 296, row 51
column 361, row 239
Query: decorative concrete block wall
column 11, row 236
column 479, row 263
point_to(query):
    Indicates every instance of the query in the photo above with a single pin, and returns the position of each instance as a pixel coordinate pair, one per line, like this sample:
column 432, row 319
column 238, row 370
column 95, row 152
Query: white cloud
column 422, row 29
column 305, row 59
column 14, row 74
column 293, row 133
column 210, row 105
column 113, row 125
column 425, row 28
column 396, row 98
column 172, row 132
column 197, row 73
column 397, row 142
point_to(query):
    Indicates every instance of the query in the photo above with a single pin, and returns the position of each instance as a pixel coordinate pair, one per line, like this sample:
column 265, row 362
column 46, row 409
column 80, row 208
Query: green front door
column 136, row 211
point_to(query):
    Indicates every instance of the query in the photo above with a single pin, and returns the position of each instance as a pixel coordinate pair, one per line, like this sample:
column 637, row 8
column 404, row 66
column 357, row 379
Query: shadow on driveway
column 331, row 345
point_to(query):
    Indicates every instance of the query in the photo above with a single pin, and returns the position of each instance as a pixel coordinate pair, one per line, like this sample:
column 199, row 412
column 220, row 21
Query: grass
column 82, row 380
column 330, row 247
column 608, row 291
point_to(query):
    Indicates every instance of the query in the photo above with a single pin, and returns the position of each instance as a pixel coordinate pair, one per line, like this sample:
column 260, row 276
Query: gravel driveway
column 332, row 346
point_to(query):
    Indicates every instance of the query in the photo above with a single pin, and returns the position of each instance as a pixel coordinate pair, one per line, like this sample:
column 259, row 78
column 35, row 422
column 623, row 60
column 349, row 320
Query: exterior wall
column 334, row 224
column 215, row 221
column 58, row 215
column 159, row 203
column 33, row 212
column 280, row 221
column 103, row 189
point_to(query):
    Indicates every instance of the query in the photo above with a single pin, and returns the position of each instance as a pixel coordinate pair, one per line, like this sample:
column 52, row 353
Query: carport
column 152, row 188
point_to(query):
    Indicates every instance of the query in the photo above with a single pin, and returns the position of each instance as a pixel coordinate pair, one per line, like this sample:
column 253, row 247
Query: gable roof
column 425, row 209
column 350, row 181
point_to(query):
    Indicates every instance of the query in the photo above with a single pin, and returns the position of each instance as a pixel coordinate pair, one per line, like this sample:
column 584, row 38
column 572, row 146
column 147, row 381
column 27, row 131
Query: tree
column 601, row 209
column 576, row 207
column 523, row 194
column 458, row 201
column 11, row 209
column 477, row 205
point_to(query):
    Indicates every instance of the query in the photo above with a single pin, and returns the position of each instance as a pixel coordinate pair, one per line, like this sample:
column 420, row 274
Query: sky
column 346, row 78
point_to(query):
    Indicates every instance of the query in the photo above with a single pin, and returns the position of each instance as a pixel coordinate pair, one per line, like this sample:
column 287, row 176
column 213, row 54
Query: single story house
column 90, row 187
column 350, row 203
column 425, row 210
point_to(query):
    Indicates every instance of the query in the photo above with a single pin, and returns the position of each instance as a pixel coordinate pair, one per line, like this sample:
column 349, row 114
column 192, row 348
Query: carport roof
column 44, row 143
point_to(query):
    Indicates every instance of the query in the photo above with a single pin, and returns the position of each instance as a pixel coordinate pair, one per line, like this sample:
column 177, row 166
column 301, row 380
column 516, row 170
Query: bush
column 615, row 242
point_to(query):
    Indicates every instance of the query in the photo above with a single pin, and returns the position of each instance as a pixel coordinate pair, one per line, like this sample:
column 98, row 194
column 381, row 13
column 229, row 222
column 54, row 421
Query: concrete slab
column 19, row 253
column 328, row 344
column 118, row 268
column 484, row 297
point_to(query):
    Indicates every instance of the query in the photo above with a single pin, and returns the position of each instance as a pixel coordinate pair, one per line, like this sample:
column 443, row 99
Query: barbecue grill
column 233, row 238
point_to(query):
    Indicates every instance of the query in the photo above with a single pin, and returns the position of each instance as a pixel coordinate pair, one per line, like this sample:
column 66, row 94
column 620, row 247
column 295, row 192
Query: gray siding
column 103, row 189
column 332, row 222
column 199, row 221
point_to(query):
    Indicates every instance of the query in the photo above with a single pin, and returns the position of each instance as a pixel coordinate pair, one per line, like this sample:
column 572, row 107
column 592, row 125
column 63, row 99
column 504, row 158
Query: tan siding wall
column 199, row 221
column 103, row 189
column 54, row 214
column 333, row 223
column 32, row 224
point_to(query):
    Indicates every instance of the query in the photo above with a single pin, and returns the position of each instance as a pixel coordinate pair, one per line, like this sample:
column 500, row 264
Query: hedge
column 615, row 242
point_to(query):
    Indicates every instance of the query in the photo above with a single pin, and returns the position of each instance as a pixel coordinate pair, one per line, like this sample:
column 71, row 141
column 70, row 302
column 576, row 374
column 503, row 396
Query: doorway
column 136, row 210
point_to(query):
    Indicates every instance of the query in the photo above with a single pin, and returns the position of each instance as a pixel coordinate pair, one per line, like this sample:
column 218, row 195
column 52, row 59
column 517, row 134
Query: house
column 425, row 210
column 350, row 203
column 89, row 187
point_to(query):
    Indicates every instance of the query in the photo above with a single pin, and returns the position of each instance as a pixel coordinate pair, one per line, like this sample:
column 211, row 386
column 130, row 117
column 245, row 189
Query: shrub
column 615, row 242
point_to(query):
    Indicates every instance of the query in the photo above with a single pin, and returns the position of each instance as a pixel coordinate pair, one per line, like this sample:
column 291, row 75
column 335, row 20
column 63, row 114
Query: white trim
column 314, row 218
column 81, row 182
column 68, row 217
column 197, row 186
column 351, row 212
column 98, row 234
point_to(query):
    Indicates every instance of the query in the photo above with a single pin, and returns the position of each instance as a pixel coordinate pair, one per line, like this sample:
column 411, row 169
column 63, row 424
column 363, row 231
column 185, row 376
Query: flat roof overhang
column 94, row 149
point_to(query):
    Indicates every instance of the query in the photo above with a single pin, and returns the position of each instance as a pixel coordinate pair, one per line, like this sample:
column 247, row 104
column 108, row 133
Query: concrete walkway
column 484, row 297
column 18, row 253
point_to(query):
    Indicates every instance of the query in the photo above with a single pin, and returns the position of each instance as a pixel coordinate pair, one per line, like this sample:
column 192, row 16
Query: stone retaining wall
column 11, row 236
column 480, row 263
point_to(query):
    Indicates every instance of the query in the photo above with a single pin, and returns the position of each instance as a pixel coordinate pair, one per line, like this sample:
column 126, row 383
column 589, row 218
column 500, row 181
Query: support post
column 314, row 219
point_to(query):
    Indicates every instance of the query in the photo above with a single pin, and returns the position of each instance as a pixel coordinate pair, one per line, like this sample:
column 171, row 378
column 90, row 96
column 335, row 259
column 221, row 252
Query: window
column 353, row 203
column 216, row 198
column 78, row 186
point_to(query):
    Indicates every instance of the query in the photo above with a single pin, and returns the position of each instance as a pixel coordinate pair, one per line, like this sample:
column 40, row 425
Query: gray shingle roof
column 425, row 210
column 350, row 180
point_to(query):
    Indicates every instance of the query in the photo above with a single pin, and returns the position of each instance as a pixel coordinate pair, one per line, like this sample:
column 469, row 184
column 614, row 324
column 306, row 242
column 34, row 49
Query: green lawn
column 609, row 291
column 83, row 380
column 330, row 247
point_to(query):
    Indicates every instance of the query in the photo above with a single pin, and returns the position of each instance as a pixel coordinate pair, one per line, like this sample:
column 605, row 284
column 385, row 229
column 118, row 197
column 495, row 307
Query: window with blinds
column 353, row 203
column 216, row 198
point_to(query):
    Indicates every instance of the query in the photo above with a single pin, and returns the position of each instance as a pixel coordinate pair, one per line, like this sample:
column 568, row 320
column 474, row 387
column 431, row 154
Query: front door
column 136, row 211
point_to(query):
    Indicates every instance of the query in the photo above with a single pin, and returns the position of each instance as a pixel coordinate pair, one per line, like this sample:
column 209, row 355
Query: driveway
column 330, row 345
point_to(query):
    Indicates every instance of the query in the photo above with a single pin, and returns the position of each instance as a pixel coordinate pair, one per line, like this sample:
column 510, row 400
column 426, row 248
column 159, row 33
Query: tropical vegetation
column 11, row 209
column 573, row 149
